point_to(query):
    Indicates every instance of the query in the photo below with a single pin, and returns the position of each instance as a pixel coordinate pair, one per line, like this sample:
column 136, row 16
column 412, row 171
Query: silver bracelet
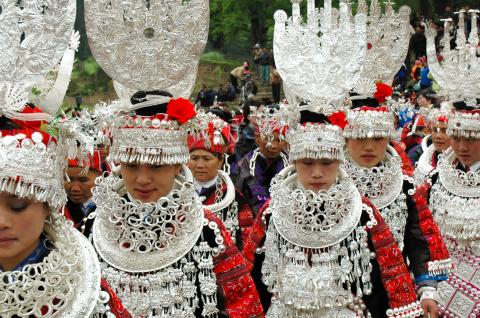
column 428, row 292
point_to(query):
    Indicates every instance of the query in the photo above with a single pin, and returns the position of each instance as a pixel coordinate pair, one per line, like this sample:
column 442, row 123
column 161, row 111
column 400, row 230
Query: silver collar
column 143, row 237
column 315, row 220
column 382, row 184
column 460, row 183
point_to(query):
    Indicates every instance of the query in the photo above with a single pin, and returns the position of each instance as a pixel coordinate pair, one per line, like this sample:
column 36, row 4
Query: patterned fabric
column 245, row 221
column 233, row 278
column 407, row 166
column 393, row 270
column 460, row 293
column 438, row 249
column 424, row 244
column 256, row 189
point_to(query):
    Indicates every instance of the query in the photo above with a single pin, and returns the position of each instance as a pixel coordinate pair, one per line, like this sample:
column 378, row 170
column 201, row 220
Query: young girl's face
column 317, row 174
column 149, row 183
column 21, row 224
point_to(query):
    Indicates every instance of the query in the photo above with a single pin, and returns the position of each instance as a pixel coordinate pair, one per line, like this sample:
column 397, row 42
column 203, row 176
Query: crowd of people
column 350, row 198
column 242, row 86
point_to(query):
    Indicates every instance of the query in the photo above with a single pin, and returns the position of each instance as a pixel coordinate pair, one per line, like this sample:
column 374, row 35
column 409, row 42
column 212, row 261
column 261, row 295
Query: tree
column 232, row 20
column 83, row 49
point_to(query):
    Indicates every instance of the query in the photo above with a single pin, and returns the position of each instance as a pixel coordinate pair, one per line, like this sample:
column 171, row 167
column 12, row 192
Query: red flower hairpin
column 383, row 92
column 181, row 109
column 338, row 119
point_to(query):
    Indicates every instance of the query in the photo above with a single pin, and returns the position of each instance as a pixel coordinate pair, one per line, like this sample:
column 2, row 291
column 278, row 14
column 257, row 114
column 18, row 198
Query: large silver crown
column 34, row 35
column 388, row 37
column 459, row 72
column 320, row 59
column 149, row 45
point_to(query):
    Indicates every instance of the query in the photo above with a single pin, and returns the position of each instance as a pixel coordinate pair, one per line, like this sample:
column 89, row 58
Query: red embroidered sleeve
column 247, row 225
column 256, row 234
column 393, row 270
column 407, row 167
column 116, row 306
column 440, row 262
column 233, row 278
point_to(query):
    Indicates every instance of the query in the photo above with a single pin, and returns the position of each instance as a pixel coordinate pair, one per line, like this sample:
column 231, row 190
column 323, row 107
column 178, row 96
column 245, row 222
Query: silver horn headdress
column 388, row 37
column 459, row 72
column 459, row 75
column 139, row 43
column 34, row 35
column 316, row 64
column 149, row 46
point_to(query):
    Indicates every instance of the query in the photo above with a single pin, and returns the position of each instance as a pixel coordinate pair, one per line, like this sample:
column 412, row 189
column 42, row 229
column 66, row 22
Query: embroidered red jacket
column 236, row 288
column 392, row 283
column 245, row 221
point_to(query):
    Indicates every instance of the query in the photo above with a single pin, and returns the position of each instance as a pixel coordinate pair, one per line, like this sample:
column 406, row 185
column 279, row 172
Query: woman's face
column 368, row 153
column 423, row 102
column 440, row 139
column 466, row 150
column 79, row 185
column 21, row 224
column 270, row 150
column 148, row 183
column 204, row 165
column 317, row 174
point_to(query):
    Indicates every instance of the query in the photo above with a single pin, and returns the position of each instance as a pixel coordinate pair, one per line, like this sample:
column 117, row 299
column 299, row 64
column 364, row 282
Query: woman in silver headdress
column 382, row 172
column 47, row 268
column 161, row 252
column 327, row 252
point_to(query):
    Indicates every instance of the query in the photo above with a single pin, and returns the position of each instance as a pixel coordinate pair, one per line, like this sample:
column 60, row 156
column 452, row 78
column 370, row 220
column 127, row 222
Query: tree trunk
column 258, row 30
column 218, row 42
column 83, row 49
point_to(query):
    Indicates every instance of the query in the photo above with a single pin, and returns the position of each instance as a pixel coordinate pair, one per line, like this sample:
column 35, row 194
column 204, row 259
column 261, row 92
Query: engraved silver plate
column 147, row 45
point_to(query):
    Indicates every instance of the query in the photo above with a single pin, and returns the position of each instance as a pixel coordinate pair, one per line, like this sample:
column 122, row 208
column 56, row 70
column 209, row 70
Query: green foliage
column 88, row 79
column 251, row 21
column 91, row 67
column 245, row 20
column 214, row 70
column 217, row 58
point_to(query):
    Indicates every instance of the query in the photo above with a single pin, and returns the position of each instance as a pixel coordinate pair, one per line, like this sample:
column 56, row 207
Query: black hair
column 428, row 94
column 225, row 116
column 362, row 102
column 307, row 116
column 7, row 124
column 141, row 96
column 463, row 106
